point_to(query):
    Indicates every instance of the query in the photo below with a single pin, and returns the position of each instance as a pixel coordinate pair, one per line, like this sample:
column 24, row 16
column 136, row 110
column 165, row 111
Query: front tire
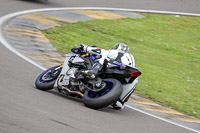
column 46, row 80
column 110, row 95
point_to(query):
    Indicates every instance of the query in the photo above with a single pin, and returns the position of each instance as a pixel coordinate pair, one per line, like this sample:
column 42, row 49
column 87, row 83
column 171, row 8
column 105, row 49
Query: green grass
column 166, row 50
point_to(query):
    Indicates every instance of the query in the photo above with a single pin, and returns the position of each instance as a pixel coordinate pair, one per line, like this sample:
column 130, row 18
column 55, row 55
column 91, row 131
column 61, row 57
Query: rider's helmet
column 121, row 47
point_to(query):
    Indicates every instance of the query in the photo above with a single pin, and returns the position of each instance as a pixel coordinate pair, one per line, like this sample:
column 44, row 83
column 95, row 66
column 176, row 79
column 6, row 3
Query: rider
column 119, row 53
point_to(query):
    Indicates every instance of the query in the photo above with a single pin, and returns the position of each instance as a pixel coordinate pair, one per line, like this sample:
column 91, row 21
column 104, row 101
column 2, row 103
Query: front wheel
column 45, row 81
column 109, row 95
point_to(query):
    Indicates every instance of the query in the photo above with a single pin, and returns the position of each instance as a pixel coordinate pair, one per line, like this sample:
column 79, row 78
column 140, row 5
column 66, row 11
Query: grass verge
column 166, row 50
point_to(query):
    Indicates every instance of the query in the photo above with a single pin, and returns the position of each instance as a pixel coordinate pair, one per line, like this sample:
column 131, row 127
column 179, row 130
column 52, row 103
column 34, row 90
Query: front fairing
column 66, row 68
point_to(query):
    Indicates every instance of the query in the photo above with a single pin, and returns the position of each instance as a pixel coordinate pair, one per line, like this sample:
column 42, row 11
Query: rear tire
column 110, row 95
column 47, row 83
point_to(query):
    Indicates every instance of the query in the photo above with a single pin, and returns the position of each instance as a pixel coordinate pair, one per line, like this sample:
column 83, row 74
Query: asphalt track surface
column 24, row 109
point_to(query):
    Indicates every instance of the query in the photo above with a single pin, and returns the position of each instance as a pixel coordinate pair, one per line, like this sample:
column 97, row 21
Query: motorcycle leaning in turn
column 97, row 85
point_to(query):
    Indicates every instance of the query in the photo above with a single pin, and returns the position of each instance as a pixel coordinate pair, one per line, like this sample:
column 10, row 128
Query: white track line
column 3, row 20
column 160, row 118
column 6, row 18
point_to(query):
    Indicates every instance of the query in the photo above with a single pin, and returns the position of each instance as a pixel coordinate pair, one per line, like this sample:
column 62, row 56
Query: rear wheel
column 109, row 95
column 46, row 80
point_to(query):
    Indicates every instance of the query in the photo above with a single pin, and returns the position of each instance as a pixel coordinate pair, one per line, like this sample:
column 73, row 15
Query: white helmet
column 121, row 47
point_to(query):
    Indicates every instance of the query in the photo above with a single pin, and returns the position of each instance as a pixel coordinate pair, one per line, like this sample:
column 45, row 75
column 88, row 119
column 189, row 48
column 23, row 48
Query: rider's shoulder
column 113, row 51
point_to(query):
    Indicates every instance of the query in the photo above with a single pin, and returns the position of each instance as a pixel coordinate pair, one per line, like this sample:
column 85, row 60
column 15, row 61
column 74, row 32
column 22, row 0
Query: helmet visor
column 124, row 48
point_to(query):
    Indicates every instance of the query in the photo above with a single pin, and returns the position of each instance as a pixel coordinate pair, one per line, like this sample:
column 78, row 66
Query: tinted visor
column 124, row 48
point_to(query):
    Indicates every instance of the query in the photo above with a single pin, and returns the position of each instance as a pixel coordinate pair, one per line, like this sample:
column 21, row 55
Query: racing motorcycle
column 98, row 85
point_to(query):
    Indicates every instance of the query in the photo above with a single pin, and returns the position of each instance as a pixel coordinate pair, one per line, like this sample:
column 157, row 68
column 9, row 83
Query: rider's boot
column 118, row 105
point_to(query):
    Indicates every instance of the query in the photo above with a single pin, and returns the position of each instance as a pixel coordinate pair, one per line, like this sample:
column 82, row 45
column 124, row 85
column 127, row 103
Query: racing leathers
column 114, row 55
